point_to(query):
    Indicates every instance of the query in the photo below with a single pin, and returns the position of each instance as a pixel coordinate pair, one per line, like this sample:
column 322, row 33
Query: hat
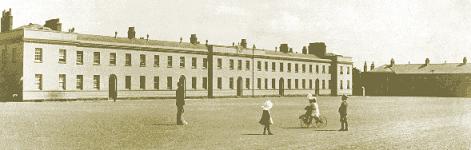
column 309, row 96
column 344, row 97
column 267, row 105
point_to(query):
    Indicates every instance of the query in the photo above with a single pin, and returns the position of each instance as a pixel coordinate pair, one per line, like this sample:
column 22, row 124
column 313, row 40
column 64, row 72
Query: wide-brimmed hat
column 267, row 105
column 309, row 96
column 344, row 97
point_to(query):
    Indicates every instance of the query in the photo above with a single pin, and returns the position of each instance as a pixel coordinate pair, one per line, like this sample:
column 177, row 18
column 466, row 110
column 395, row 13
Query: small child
column 266, row 119
column 343, row 113
column 312, row 110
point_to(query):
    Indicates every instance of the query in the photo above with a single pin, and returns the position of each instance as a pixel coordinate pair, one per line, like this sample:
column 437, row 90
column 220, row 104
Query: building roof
column 447, row 68
column 34, row 27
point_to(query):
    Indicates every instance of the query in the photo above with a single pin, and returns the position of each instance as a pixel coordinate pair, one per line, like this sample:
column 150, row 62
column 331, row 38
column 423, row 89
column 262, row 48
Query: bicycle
column 320, row 123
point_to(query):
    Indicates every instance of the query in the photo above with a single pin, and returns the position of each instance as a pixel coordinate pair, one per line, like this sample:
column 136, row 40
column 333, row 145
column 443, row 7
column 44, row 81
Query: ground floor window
column 273, row 83
column 193, row 82
column 259, row 83
column 247, row 83
column 79, row 82
column 289, row 83
column 62, row 80
column 38, row 81
column 169, row 83
column 219, row 83
column 205, row 83
column 266, row 83
column 142, row 83
column 156, row 83
column 231, row 83
column 96, row 82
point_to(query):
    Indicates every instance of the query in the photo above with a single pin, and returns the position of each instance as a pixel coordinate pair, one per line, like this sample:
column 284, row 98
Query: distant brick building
column 42, row 62
column 448, row 79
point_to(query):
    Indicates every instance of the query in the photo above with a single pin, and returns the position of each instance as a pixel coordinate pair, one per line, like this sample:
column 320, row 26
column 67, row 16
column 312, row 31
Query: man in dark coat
column 343, row 113
column 180, row 94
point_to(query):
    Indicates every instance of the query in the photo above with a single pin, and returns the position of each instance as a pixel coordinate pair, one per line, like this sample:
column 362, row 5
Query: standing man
column 180, row 94
column 343, row 113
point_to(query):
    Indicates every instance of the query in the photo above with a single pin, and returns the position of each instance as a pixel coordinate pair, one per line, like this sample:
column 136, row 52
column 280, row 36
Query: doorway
column 113, row 88
column 281, row 88
column 239, row 86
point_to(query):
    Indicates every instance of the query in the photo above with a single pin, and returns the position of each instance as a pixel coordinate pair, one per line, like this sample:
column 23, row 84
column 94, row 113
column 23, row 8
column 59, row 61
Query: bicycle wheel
column 302, row 122
column 322, row 122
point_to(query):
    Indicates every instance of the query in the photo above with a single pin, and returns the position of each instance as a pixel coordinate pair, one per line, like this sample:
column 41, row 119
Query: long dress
column 266, row 118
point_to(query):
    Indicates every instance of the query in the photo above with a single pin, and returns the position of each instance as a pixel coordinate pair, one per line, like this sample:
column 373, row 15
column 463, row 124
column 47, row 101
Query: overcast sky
column 367, row 30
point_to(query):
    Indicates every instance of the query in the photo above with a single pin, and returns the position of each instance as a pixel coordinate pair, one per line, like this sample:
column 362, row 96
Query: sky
column 366, row 30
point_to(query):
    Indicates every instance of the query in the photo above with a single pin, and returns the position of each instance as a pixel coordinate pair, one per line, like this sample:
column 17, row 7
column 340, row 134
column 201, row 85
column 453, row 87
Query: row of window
column 142, row 83
column 128, row 61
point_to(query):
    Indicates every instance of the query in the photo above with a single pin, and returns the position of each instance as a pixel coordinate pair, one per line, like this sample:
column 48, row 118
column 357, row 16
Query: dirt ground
column 232, row 123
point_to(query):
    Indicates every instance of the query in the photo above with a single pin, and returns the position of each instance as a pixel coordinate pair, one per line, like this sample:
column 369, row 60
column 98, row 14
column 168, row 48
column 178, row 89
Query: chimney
column 193, row 39
column 427, row 61
column 290, row 50
column 372, row 67
column 7, row 21
column 392, row 62
column 365, row 67
column 147, row 37
column 318, row 49
column 284, row 48
column 54, row 24
column 465, row 60
column 115, row 34
column 276, row 49
column 254, row 47
column 243, row 43
column 131, row 33
column 304, row 50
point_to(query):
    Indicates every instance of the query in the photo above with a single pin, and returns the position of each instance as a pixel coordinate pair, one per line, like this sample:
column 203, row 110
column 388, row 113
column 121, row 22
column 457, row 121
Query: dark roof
column 447, row 68
column 100, row 38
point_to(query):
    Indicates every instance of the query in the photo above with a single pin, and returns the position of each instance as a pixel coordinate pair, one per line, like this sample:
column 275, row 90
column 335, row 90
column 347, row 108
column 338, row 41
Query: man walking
column 343, row 113
column 180, row 94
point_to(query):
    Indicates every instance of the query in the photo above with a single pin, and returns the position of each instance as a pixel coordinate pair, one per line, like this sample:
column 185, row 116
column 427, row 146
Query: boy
column 343, row 113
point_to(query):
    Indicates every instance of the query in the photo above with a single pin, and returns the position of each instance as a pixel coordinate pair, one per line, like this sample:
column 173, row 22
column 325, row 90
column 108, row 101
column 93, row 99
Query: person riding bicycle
column 312, row 110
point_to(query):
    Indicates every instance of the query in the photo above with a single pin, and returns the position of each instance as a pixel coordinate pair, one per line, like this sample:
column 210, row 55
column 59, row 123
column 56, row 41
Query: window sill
column 62, row 62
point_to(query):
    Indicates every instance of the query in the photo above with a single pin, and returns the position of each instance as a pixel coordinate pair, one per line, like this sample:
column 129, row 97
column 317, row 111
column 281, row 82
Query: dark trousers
column 267, row 127
column 343, row 121
column 180, row 111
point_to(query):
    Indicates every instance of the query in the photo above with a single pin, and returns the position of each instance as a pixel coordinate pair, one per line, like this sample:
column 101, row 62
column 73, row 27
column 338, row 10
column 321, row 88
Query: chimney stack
column 7, row 21
column 372, row 67
column 243, row 43
column 465, row 60
column 284, row 48
column 365, row 67
column 392, row 62
column 54, row 24
column 193, row 39
column 318, row 49
column 115, row 34
column 304, row 50
column 290, row 50
column 427, row 61
column 131, row 33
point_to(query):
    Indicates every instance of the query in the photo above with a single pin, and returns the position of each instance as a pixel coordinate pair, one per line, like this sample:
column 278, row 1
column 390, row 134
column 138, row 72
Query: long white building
column 43, row 63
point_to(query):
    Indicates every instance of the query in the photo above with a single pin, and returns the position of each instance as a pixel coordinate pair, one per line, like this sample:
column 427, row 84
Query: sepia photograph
column 235, row 74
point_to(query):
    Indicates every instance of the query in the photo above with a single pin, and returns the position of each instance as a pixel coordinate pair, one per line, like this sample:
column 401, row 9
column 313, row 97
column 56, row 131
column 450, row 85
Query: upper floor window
column 62, row 56
column 239, row 64
column 323, row 69
column 310, row 68
column 113, row 59
column 348, row 70
column 296, row 68
column 156, row 61
column 182, row 62
column 341, row 69
column 169, row 62
column 205, row 63
column 247, row 65
column 231, row 64
column 128, row 60
column 79, row 58
column 193, row 62
column 303, row 68
column 266, row 66
column 219, row 63
column 259, row 65
column 289, row 67
column 96, row 58
column 273, row 66
column 281, row 67
column 317, row 68
column 143, row 60
column 38, row 55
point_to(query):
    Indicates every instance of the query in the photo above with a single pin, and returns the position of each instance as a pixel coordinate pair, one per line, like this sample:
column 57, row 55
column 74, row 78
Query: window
column 296, row 83
column 142, row 82
column 96, row 82
column 296, row 68
column 310, row 83
column 247, row 65
column 193, row 62
column 348, row 70
column 266, row 66
column 341, row 84
column 323, row 84
column 289, row 67
column 273, row 83
column 193, row 82
column 156, row 83
column 112, row 59
column 205, row 83
column 239, row 64
column 317, row 68
column 205, row 63
column 169, row 62
column 143, row 60
column 303, row 68
column 348, row 84
column 62, row 56
column 273, row 66
column 169, row 83
column 231, row 64
column 247, row 83
column 79, row 60
column 38, row 55
column 289, row 83
column 304, row 83
column 266, row 83
column 259, row 65
column 128, row 82
column 219, row 83
column 38, row 81
column 13, row 55
column 96, row 58
column 341, row 69
column 281, row 67
column 182, row 62
column 156, row 61
column 219, row 63
column 128, row 60
column 62, row 85
column 310, row 68
column 323, row 69
column 231, row 83
column 79, row 82
column 259, row 83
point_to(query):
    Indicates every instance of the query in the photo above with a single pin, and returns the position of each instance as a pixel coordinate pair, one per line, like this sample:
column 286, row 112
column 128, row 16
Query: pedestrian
column 343, row 113
column 180, row 102
column 266, row 119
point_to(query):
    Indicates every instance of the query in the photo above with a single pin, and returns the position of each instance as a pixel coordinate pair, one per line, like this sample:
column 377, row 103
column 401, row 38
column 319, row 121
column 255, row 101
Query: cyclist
column 312, row 110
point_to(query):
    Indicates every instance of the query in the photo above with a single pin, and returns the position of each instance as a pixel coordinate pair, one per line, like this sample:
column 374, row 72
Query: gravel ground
column 230, row 123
